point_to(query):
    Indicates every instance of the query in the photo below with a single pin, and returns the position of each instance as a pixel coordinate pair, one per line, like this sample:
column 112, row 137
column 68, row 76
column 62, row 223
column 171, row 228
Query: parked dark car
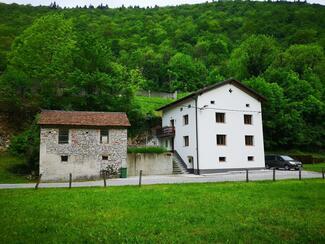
column 281, row 161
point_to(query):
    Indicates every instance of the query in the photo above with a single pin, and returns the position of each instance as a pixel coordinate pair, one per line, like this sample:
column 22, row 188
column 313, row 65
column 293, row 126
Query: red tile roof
column 83, row 118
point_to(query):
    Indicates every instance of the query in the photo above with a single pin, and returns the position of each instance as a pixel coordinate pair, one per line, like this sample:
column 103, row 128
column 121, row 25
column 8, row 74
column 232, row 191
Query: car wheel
column 286, row 167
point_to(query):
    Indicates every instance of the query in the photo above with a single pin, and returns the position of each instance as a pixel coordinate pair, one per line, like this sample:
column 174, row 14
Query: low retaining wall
column 150, row 163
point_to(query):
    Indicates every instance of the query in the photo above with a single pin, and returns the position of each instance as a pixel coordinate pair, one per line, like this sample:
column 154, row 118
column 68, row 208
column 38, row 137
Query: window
column 64, row 158
column 222, row 159
column 249, row 140
column 104, row 136
column 220, row 117
column 247, row 105
column 212, row 102
column 63, row 136
column 185, row 119
column 186, row 141
column 104, row 157
column 247, row 119
column 250, row 158
column 172, row 122
column 221, row 139
column 190, row 160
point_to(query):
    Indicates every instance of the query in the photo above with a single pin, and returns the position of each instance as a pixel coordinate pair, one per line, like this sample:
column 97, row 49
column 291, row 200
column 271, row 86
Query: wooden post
column 299, row 173
column 38, row 181
column 70, row 180
column 323, row 172
column 247, row 175
column 140, row 178
column 104, row 177
column 273, row 174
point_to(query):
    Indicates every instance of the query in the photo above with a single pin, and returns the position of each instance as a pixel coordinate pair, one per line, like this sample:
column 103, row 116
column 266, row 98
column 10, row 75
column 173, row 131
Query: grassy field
column 11, row 169
column 283, row 211
column 150, row 104
column 314, row 167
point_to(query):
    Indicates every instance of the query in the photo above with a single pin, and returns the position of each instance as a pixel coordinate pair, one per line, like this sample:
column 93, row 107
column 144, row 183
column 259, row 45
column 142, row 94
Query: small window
column 222, row 159
column 247, row 105
column 247, row 119
column 212, row 102
column 172, row 122
column 185, row 119
column 221, row 139
column 186, row 141
column 249, row 140
column 63, row 136
column 104, row 137
column 190, row 160
column 64, row 158
column 220, row 117
column 104, row 157
column 250, row 158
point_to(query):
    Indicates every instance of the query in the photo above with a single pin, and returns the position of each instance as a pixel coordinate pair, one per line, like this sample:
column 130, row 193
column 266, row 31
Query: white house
column 217, row 128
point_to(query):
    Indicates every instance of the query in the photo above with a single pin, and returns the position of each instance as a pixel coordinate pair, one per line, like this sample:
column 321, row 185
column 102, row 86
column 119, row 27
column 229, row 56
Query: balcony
column 167, row 131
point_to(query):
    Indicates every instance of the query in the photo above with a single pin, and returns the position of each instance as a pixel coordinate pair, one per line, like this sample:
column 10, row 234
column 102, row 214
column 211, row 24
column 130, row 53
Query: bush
column 26, row 146
column 146, row 150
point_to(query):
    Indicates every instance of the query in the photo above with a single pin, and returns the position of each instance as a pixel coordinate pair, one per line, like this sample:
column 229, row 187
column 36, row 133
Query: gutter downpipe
column 197, row 138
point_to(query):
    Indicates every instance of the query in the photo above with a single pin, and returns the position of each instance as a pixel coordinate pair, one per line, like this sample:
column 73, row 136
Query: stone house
column 81, row 143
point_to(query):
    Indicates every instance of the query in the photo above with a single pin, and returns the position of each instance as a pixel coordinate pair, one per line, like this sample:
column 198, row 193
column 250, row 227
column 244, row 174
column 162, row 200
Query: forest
column 96, row 58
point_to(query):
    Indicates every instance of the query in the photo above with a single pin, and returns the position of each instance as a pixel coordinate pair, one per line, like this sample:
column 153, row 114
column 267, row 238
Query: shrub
column 146, row 150
column 26, row 146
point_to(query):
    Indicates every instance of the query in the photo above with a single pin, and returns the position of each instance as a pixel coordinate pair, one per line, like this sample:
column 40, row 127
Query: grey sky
column 117, row 3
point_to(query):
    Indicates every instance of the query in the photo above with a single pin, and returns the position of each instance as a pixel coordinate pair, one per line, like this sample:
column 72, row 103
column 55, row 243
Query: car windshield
column 287, row 158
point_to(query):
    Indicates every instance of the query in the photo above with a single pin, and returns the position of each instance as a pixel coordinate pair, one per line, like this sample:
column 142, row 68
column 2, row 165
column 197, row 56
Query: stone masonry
column 84, row 150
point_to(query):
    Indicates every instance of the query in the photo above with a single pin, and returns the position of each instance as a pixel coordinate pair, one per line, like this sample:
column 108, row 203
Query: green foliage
column 26, row 146
column 253, row 56
column 258, row 212
column 96, row 59
column 12, row 169
column 146, row 149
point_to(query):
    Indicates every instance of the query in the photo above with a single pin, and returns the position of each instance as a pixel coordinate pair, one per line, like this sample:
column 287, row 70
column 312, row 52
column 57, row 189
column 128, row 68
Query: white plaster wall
column 150, row 164
column 182, row 130
column 235, row 151
column 84, row 151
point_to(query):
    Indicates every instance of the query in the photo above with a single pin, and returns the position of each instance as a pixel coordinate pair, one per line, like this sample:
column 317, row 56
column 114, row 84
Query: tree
column 253, row 56
column 40, row 60
column 185, row 73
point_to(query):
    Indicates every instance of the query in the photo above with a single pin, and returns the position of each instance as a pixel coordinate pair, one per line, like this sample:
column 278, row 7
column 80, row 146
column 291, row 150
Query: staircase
column 179, row 167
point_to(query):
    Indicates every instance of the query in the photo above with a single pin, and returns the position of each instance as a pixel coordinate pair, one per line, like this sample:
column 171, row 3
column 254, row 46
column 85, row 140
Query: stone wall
column 150, row 163
column 84, row 152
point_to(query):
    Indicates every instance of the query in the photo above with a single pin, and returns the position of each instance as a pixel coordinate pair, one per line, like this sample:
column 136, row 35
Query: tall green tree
column 253, row 56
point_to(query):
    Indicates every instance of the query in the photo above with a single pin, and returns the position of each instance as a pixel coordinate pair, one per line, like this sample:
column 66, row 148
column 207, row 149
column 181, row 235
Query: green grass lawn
column 11, row 169
column 314, row 167
column 255, row 212
column 150, row 104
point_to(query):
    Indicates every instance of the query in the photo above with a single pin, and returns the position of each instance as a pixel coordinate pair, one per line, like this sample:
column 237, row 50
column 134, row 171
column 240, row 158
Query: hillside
column 96, row 59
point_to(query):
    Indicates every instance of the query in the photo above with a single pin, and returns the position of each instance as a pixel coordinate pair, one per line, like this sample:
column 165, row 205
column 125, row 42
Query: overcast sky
column 117, row 3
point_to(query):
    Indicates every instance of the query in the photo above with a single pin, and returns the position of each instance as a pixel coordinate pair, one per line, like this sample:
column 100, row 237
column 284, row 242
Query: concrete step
column 178, row 168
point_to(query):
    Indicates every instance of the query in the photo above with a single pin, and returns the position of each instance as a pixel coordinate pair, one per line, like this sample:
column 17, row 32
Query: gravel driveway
column 254, row 175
